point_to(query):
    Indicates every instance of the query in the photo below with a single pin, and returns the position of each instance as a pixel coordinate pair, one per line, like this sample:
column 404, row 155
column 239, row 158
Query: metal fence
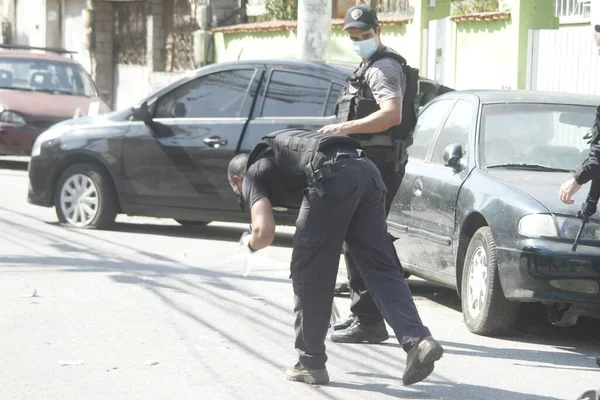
column 573, row 9
column 130, row 32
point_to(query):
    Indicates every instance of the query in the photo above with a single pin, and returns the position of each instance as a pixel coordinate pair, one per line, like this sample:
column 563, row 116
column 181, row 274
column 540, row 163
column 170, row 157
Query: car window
column 218, row 95
column 427, row 124
column 49, row 76
column 291, row 94
column 332, row 100
column 528, row 133
column 456, row 130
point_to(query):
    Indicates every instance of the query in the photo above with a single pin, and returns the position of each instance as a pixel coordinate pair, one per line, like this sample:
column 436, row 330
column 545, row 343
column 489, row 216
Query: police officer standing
column 340, row 195
column 376, row 107
column 589, row 170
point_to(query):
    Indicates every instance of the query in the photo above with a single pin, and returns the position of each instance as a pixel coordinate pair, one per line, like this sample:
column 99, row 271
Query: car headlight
column 47, row 136
column 538, row 225
column 568, row 228
column 546, row 225
column 12, row 118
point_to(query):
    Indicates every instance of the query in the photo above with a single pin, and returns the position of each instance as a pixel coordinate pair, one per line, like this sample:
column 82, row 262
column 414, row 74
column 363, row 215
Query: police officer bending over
column 341, row 196
column 376, row 107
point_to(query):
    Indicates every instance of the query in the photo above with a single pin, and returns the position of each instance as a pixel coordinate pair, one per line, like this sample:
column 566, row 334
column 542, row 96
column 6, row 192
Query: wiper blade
column 535, row 167
column 17, row 88
column 44, row 90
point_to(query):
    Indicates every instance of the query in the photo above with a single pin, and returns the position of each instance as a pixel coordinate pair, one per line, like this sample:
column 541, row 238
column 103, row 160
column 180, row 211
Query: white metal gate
column 563, row 60
column 72, row 31
column 31, row 22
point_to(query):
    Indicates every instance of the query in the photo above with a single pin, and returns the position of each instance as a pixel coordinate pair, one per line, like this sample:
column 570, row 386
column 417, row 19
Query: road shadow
column 208, row 232
column 13, row 164
column 438, row 390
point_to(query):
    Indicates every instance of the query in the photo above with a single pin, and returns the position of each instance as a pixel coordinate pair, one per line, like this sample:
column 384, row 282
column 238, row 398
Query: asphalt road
column 150, row 310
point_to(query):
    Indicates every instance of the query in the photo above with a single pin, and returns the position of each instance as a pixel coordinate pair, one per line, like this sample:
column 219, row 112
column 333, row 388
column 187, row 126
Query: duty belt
column 328, row 169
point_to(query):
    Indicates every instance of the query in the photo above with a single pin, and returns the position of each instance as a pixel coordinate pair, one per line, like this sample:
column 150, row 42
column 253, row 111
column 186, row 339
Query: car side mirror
column 141, row 113
column 180, row 110
column 452, row 155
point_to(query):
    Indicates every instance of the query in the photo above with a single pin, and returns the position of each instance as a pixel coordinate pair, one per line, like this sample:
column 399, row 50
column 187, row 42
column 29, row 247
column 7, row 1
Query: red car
column 38, row 90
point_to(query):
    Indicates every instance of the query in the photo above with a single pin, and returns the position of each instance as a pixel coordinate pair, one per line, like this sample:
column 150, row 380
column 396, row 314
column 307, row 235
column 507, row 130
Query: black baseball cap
column 362, row 17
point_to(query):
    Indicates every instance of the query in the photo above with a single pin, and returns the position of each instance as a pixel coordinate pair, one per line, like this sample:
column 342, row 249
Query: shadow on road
column 431, row 389
column 13, row 164
column 209, row 232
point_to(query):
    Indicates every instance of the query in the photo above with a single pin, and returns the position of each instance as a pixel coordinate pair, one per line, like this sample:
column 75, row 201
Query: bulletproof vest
column 297, row 153
column 356, row 100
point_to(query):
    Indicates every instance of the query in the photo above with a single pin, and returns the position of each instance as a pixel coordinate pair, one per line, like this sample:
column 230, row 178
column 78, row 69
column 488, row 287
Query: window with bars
column 573, row 9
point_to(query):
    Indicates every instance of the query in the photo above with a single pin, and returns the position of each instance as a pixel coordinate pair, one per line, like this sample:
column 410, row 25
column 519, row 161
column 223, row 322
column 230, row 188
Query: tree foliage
column 286, row 10
column 462, row 7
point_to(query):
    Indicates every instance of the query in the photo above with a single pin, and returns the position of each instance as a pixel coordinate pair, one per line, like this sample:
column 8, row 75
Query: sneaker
column 345, row 323
column 420, row 359
column 361, row 333
column 298, row 373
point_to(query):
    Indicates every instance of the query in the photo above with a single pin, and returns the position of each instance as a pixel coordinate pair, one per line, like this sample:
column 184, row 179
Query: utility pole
column 314, row 30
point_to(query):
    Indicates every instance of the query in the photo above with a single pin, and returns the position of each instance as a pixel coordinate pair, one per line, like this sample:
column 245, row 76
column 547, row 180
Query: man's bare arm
column 389, row 114
column 263, row 224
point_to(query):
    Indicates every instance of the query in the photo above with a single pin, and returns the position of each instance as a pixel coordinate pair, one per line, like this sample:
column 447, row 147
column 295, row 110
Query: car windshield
column 45, row 76
column 543, row 137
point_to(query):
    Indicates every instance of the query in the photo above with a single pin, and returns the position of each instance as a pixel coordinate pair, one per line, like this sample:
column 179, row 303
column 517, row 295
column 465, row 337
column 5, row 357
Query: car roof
column 342, row 66
column 489, row 96
column 35, row 56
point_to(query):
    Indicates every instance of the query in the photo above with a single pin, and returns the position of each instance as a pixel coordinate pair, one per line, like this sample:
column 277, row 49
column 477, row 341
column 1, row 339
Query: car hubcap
column 478, row 282
column 79, row 200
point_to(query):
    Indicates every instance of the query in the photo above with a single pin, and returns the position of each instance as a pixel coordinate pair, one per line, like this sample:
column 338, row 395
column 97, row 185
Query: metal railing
column 573, row 9
column 395, row 7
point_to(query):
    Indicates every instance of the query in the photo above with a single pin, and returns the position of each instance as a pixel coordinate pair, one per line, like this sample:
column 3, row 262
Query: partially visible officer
column 590, row 168
column 376, row 107
column 341, row 196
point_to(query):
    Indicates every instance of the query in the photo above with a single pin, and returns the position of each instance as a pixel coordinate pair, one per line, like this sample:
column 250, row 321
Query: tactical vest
column 297, row 153
column 356, row 100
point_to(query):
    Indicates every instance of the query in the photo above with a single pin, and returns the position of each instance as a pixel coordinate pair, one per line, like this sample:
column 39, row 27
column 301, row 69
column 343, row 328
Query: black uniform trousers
column 361, row 302
column 352, row 210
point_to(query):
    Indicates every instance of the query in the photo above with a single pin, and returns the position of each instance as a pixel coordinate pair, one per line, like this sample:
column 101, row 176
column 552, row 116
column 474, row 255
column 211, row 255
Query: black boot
column 360, row 333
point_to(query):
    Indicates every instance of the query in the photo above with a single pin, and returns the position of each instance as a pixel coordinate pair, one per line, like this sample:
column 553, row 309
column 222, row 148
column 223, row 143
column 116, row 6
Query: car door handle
column 418, row 187
column 215, row 141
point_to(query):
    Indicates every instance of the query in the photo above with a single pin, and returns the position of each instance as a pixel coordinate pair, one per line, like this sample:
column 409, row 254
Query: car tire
column 192, row 224
column 485, row 309
column 92, row 189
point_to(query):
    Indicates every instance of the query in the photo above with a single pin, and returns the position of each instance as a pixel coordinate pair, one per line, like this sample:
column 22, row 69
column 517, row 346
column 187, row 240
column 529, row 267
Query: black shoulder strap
column 386, row 52
column 256, row 153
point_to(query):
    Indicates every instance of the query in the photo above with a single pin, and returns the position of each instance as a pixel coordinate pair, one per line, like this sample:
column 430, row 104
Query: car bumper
column 43, row 170
column 549, row 272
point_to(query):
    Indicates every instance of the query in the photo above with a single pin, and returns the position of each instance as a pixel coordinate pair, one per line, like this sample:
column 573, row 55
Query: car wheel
column 192, row 224
column 485, row 309
column 85, row 197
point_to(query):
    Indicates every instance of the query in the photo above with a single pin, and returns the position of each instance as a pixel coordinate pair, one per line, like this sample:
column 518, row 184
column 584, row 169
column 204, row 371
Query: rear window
column 45, row 76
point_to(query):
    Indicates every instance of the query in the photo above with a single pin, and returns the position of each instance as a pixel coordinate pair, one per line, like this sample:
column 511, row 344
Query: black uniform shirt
column 257, row 180
column 590, row 168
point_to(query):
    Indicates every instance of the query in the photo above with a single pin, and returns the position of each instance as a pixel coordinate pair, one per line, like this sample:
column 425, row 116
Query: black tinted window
column 429, row 121
column 218, row 95
column 455, row 131
column 295, row 95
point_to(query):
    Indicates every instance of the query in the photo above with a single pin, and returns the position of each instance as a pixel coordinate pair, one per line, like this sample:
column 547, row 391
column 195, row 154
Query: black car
column 478, row 208
column 168, row 156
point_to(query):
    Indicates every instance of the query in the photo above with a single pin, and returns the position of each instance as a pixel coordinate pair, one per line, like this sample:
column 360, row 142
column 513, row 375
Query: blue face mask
column 365, row 48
